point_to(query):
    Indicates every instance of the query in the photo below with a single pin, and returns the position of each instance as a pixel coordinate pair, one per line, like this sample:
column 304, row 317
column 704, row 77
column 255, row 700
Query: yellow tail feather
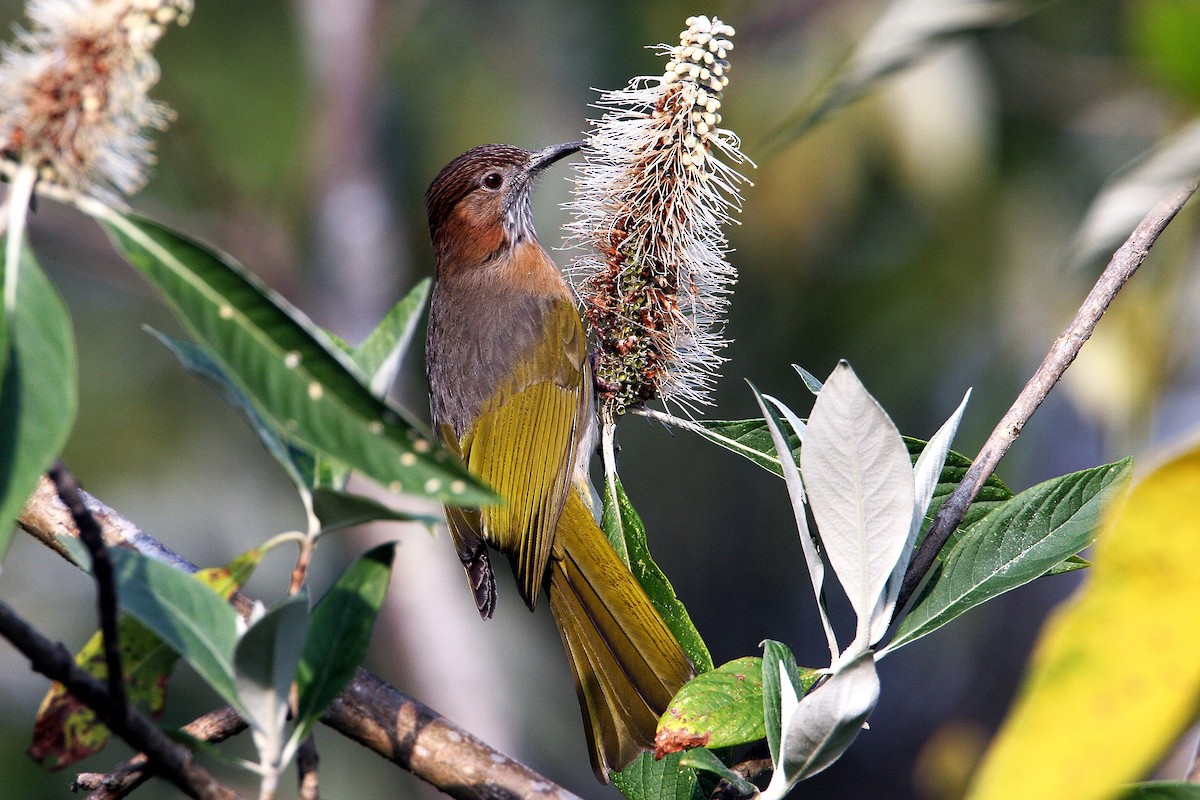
column 626, row 662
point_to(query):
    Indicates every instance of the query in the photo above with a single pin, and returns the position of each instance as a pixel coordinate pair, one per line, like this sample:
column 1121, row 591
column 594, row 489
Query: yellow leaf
column 1115, row 677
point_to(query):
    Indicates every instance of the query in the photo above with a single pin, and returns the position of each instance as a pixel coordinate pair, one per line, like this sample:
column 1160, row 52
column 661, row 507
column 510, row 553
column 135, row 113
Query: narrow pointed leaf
column 228, row 578
column 1069, row 565
column 991, row 495
column 1022, row 540
column 829, row 718
column 811, row 382
column 778, row 661
column 925, row 477
column 37, row 390
column 704, row 759
column 196, row 360
column 859, row 481
column 718, row 708
column 380, row 354
column 338, row 510
column 339, row 632
column 265, row 661
column 187, row 615
column 653, row 580
column 796, row 492
column 296, row 377
column 1114, row 679
column 797, row 425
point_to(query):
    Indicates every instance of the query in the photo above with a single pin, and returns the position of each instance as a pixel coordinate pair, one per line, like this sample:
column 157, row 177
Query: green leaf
column 66, row 730
column 1161, row 790
column 1023, row 539
column 704, row 759
column 632, row 533
column 718, row 708
column 296, row 377
column 378, row 358
column 991, row 495
column 380, row 354
column 774, row 654
column 37, row 390
column 662, row 779
column 1114, row 679
column 265, row 661
column 196, row 361
column 749, row 438
column 339, row 632
column 190, row 617
column 338, row 510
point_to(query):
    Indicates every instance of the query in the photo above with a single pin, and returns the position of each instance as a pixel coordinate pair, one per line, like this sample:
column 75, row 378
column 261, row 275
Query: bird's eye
column 493, row 180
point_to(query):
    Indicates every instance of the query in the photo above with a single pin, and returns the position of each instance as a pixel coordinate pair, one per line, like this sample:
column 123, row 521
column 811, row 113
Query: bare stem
column 173, row 761
column 372, row 713
column 20, row 194
column 1124, row 263
column 300, row 572
column 213, row 727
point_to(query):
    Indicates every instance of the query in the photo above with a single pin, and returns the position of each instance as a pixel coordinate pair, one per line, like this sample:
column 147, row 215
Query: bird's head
column 478, row 205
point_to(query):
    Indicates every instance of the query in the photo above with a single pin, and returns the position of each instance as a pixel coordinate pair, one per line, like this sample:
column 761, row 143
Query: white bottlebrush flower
column 73, row 93
column 650, row 201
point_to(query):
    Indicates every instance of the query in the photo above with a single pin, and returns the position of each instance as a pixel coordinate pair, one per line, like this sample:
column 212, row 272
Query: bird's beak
column 540, row 159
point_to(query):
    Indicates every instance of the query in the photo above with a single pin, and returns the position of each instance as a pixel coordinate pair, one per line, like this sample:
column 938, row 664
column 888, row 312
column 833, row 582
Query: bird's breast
column 486, row 323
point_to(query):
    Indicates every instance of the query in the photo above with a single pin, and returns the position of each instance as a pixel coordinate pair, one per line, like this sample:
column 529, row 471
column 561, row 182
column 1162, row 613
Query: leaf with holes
column 295, row 376
column 718, row 708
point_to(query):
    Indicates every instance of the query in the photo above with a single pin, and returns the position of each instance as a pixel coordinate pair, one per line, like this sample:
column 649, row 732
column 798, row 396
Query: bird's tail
column 626, row 662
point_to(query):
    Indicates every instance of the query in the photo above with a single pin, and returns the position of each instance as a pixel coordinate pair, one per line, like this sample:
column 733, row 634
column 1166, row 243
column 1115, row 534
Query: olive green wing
column 522, row 445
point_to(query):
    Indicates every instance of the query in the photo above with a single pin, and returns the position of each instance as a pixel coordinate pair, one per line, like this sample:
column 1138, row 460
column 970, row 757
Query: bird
column 511, row 393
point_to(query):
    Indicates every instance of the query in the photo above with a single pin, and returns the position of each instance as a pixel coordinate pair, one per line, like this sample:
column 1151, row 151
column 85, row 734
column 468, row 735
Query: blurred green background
column 922, row 234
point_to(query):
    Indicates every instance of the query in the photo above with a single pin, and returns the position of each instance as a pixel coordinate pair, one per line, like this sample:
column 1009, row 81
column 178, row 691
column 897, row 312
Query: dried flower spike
column 650, row 201
column 73, row 93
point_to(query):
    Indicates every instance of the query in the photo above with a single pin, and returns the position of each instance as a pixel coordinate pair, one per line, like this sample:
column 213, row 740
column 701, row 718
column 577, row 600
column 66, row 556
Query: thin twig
column 173, row 761
column 102, row 570
column 300, row 572
column 369, row 711
column 213, row 727
column 1124, row 263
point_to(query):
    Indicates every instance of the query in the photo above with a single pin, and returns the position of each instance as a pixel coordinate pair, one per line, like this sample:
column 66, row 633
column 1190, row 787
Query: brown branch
column 306, row 767
column 1124, row 263
column 173, row 761
column 369, row 711
column 215, row 726
column 68, row 490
